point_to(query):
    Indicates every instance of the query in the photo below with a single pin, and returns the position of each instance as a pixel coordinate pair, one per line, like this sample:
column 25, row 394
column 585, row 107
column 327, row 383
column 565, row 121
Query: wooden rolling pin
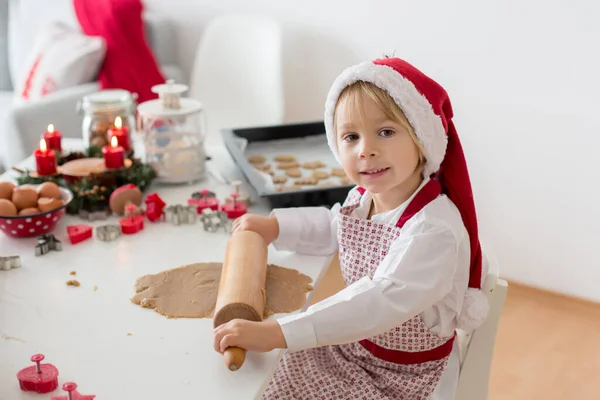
column 242, row 287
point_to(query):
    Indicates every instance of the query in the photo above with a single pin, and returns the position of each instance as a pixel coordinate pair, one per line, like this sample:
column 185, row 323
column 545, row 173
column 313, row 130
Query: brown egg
column 49, row 189
column 6, row 190
column 47, row 204
column 7, row 208
column 29, row 211
column 24, row 197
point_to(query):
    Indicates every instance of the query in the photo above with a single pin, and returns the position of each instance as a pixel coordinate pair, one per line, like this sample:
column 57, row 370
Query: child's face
column 376, row 153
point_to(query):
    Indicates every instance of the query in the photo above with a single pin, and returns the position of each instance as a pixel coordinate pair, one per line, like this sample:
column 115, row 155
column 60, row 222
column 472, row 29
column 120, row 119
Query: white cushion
column 61, row 58
column 27, row 18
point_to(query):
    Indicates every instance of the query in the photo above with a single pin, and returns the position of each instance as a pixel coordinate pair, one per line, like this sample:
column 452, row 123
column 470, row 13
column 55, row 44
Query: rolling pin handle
column 234, row 358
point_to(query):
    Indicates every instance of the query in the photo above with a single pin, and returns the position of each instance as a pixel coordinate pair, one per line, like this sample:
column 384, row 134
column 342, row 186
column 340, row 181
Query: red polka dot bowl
column 23, row 226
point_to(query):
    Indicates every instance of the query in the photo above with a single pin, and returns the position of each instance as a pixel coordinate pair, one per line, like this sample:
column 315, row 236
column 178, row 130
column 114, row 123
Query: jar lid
column 108, row 99
column 170, row 102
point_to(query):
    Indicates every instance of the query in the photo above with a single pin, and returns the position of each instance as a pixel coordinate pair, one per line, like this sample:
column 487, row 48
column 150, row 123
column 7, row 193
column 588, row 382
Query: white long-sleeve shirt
column 425, row 271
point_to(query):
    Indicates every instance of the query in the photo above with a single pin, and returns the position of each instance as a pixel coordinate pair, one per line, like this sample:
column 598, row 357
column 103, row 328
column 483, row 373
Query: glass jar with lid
column 101, row 109
column 173, row 130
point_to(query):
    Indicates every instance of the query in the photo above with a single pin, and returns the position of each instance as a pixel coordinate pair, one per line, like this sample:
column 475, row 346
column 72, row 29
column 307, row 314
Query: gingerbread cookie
column 306, row 181
column 263, row 167
column 285, row 158
column 287, row 164
column 280, row 179
column 256, row 159
column 338, row 172
column 313, row 165
column 293, row 172
column 320, row 175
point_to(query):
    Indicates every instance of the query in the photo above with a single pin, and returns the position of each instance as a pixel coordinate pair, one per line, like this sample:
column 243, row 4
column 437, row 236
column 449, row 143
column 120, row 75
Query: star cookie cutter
column 108, row 233
column 47, row 243
column 10, row 262
column 213, row 220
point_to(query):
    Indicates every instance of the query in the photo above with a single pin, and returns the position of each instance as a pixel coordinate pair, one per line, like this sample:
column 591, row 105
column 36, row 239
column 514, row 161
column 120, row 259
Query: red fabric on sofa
column 129, row 63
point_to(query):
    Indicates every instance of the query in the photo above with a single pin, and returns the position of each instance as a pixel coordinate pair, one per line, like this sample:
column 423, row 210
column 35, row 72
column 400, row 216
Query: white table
column 84, row 333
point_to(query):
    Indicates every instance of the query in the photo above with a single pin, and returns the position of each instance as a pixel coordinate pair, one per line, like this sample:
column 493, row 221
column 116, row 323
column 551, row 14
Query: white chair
column 477, row 347
column 237, row 74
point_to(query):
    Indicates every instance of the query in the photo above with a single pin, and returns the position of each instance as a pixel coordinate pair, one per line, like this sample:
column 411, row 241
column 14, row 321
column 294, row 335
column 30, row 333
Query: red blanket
column 129, row 63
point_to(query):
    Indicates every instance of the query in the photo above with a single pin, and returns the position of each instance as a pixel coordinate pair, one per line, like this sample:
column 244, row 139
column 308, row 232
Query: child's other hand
column 267, row 227
column 249, row 335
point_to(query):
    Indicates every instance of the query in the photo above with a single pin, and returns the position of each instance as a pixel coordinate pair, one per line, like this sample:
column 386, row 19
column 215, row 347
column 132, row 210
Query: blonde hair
column 353, row 92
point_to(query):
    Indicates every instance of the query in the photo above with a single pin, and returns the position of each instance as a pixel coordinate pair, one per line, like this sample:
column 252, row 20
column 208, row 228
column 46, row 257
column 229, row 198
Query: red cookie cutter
column 204, row 199
column 154, row 207
column 79, row 233
column 132, row 224
column 40, row 378
column 235, row 208
column 72, row 393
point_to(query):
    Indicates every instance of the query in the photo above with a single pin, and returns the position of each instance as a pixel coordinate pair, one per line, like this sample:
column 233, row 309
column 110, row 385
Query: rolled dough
column 190, row 291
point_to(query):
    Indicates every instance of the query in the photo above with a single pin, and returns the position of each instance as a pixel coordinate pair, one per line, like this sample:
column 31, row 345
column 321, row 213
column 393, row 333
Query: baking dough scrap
column 313, row 165
column 280, row 179
column 288, row 164
column 285, row 158
column 320, row 175
column 338, row 172
column 257, row 159
column 293, row 172
column 310, row 180
column 190, row 291
column 345, row 181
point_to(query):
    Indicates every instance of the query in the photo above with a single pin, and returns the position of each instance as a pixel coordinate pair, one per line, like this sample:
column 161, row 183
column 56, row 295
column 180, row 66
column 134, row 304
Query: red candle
column 53, row 139
column 114, row 155
column 121, row 133
column 45, row 160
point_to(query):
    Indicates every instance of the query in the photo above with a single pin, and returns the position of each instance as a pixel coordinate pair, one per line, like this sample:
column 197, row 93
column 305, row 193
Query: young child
column 408, row 248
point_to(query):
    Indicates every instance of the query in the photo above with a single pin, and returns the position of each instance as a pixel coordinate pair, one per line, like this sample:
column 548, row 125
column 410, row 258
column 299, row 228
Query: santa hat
column 427, row 107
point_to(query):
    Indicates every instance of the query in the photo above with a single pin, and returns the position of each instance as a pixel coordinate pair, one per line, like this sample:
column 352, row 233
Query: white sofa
column 22, row 125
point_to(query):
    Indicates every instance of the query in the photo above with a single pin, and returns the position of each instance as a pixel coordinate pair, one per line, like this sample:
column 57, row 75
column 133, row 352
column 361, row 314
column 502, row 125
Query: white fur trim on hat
column 427, row 125
column 474, row 310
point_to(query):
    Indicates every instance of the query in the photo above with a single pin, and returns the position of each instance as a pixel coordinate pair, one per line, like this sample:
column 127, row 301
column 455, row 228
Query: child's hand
column 249, row 335
column 267, row 227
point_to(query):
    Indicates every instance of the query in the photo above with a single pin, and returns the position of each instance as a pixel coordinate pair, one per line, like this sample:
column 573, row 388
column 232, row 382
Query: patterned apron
column 405, row 362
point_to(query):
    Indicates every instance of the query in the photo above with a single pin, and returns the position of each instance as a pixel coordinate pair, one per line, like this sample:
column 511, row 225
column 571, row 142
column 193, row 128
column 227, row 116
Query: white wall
column 523, row 77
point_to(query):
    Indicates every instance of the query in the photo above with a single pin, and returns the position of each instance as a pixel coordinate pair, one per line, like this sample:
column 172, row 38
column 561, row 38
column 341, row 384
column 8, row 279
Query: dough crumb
column 95, row 288
column 129, row 334
column 73, row 273
column 73, row 282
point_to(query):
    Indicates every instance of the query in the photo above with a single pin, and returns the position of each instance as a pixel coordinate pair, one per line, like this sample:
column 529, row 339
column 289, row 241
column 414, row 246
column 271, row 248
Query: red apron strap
column 426, row 195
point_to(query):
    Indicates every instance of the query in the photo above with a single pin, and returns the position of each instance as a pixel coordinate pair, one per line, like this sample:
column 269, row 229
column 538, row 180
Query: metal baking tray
column 306, row 142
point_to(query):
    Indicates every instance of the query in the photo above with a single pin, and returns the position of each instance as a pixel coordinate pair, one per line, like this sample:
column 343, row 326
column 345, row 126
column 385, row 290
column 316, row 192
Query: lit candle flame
column 114, row 142
column 43, row 146
column 50, row 128
column 118, row 123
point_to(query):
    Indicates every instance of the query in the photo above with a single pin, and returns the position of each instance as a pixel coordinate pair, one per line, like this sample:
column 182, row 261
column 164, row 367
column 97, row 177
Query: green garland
column 92, row 193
